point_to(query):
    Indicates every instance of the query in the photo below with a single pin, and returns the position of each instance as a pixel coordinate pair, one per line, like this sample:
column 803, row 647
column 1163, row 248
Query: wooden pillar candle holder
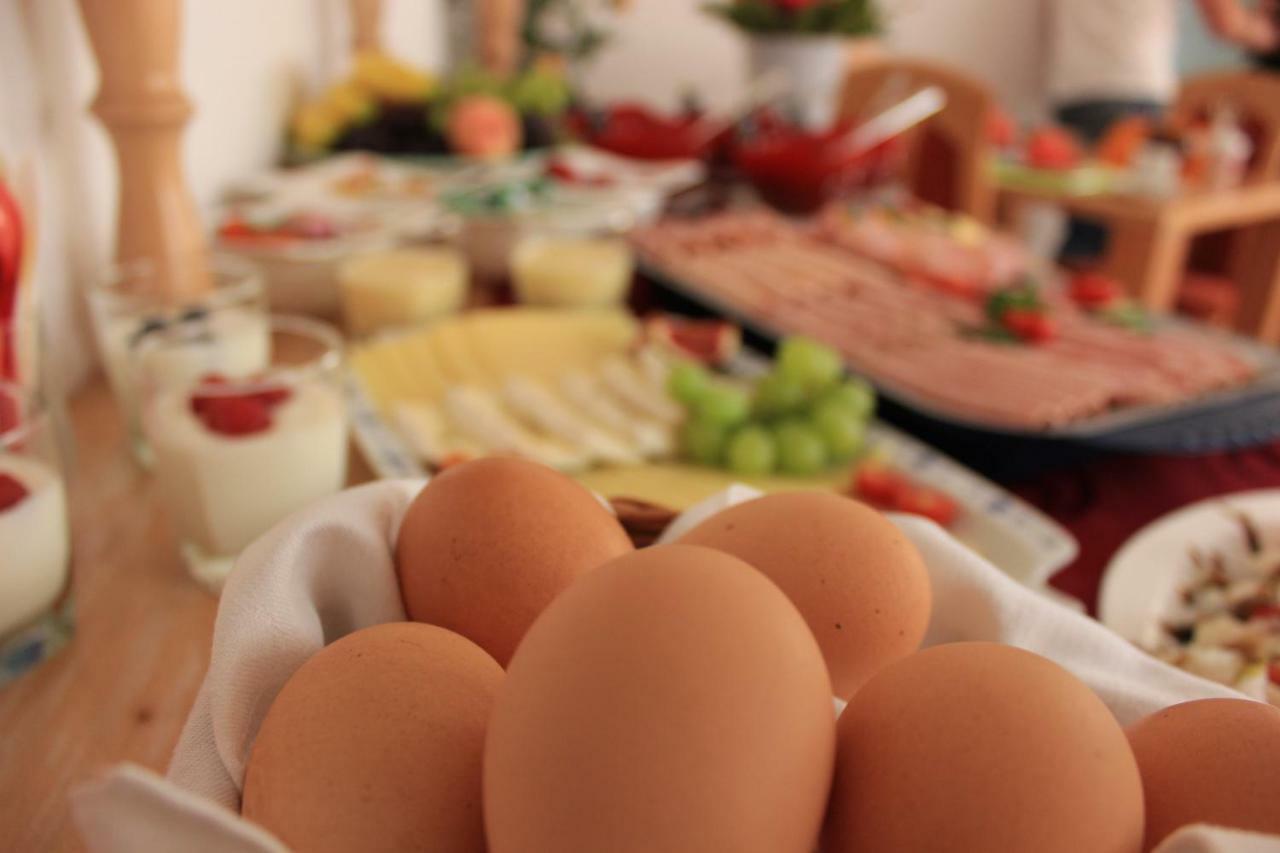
column 141, row 102
column 498, row 34
column 366, row 25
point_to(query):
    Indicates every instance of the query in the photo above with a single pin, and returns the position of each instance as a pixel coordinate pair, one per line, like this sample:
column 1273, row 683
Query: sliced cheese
column 535, row 404
column 476, row 414
column 627, row 384
column 650, row 437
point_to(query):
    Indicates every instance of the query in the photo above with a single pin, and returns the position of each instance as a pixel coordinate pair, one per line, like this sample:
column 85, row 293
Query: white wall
column 663, row 48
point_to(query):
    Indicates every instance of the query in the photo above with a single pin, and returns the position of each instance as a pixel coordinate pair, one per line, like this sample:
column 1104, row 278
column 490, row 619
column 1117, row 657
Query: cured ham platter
column 963, row 328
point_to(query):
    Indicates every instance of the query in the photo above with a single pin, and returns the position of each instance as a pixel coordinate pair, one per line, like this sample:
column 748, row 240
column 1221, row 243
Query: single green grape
column 688, row 382
column 752, row 452
column 800, row 449
column 703, row 442
column 778, row 395
column 809, row 363
column 855, row 395
column 539, row 92
column 843, row 432
column 722, row 405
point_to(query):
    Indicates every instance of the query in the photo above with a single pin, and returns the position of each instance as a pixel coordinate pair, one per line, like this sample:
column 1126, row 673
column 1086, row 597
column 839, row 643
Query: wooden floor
column 122, row 687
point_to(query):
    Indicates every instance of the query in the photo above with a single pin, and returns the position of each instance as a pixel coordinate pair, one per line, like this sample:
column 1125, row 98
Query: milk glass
column 35, row 545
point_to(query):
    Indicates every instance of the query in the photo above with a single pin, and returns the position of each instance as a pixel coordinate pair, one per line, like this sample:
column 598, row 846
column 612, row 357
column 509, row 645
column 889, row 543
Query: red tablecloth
column 1106, row 501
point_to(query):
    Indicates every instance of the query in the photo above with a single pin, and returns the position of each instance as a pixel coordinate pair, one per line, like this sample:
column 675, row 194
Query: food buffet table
column 86, row 708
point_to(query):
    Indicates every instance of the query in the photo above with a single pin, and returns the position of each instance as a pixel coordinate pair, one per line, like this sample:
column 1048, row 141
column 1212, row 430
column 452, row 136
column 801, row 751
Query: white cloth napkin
column 328, row 571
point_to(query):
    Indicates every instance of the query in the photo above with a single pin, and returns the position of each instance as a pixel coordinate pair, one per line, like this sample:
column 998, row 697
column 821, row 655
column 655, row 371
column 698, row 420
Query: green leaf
column 839, row 17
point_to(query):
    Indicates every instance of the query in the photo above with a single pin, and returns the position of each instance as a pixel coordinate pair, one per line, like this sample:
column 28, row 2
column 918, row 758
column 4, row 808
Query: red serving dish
column 798, row 171
column 633, row 130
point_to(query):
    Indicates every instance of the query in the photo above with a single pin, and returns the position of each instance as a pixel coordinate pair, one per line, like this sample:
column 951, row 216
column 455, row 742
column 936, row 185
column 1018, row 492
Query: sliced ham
column 922, row 340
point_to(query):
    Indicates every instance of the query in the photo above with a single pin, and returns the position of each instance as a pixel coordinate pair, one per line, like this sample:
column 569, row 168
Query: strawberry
column 236, row 228
column 562, row 171
column 8, row 412
column 1094, row 290
column 272, row 397
column 879, row 484
column 1031, row 326
column 202, row 403
column 930, row 503
column 199, row 401
column 1000, row 128
column 12, row 492
column 1053, row 148
column 236, row 416
column 1265, row 611
column 1273, row 672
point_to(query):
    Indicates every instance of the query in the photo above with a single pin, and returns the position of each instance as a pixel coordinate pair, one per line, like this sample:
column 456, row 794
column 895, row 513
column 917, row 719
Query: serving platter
column 1015, row 536
column 1228, row 419
column 1142, row 580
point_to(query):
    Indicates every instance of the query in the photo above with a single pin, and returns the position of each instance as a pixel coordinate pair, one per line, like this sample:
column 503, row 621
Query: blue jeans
column 1090, row 120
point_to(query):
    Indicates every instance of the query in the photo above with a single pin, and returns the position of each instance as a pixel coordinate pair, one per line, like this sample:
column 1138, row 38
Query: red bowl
column 635, row 131
column 798, row 171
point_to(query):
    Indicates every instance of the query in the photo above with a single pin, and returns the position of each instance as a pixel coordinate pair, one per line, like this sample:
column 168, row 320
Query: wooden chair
column 1234, row 256
column 947, row 156
column 1255, row 97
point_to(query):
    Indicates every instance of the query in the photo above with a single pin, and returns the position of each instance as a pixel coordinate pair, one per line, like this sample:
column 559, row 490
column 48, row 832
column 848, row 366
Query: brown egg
column 487, row 545
column 859, row 583
column 375, row 745
column 671, row 700
column 979, row 747
column 1213, row 761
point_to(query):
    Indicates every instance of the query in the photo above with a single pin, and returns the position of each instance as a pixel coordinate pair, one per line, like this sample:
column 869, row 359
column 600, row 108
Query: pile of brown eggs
column 560, row 692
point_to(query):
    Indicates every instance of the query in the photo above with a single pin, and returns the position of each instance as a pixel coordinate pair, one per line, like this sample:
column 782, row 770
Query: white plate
column 1021, row 540
column 1144, row 576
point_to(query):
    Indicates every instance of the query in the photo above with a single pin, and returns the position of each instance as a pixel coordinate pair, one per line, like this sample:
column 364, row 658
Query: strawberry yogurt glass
column 224, row 330
column 234, row 454
column 35, row 546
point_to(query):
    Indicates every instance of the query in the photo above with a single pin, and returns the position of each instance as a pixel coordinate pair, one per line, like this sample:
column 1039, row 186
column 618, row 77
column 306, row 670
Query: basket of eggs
column 487, row 662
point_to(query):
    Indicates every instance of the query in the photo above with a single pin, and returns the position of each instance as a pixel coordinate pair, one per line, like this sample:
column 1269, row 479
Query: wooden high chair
column 1242, row 255
column 948, row 156
column 1256, row 99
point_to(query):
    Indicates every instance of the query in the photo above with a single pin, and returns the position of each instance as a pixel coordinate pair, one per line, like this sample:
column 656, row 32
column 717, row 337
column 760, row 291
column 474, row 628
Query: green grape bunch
column 801, row 418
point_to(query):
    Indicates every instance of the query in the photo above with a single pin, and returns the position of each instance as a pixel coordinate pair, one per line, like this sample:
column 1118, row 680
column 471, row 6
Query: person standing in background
column 1112, row 59
column 1264, row 59
column 1109, row 59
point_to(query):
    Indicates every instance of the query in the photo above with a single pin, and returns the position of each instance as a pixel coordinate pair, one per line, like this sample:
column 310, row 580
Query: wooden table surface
column 121, row 689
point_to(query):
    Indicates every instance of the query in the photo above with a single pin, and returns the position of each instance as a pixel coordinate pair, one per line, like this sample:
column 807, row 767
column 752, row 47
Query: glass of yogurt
column 224, row 331
column 35, row 546
column 234, row 454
